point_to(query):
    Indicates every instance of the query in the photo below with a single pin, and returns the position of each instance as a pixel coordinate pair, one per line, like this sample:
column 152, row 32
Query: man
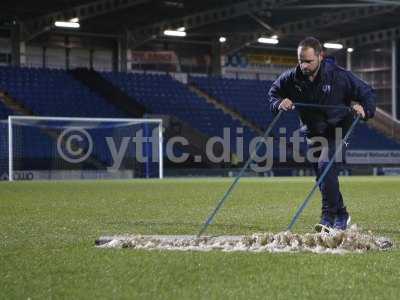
column 316, row 81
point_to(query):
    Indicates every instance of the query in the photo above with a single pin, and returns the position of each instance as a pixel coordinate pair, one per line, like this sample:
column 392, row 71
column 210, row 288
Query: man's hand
column 359, row 110
column 286, row 105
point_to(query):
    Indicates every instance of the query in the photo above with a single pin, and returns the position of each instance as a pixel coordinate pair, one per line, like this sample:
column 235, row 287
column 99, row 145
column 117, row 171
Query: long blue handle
column 229, row 190
column 321, row 178
column 311, row 105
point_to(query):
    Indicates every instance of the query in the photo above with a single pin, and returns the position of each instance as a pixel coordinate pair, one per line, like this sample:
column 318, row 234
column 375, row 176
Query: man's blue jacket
column 333, row 85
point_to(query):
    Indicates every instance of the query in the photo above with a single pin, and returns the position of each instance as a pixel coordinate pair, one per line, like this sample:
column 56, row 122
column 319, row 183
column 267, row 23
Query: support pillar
column 216, row 57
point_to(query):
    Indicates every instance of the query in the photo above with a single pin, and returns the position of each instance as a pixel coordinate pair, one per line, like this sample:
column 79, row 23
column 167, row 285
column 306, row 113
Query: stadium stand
column 161, row 94
column 249, row 98
column 246, row 96
column 51, row 92
column 57, row 93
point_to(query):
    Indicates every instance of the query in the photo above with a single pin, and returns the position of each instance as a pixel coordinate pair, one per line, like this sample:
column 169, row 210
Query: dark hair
column 311, row 42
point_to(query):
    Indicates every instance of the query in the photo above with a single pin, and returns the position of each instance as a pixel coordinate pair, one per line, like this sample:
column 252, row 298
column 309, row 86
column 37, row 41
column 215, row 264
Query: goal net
column 83, row 148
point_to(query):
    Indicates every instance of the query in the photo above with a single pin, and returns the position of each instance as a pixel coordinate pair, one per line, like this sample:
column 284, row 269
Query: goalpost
column 84, row 148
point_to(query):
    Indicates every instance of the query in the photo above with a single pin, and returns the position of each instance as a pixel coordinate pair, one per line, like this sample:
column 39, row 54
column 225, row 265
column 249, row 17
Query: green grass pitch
column 47, row 233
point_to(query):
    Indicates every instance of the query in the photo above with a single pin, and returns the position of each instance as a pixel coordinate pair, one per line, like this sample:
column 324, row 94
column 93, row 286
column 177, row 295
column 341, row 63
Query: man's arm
column 364, row 94
column 277, row 94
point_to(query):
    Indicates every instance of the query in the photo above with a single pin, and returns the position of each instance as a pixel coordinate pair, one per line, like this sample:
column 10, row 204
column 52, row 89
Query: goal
column 46, row 148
